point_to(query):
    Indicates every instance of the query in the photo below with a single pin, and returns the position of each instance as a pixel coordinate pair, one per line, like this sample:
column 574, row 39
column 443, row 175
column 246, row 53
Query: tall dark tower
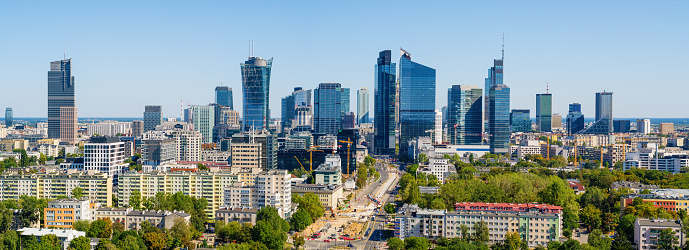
column 384, row 104
column 62, row 112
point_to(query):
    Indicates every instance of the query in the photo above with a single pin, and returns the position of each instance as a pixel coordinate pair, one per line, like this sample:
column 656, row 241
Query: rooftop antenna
column 503, row 46
column 252, row 48
column 64, row 53
column 220, row 80
column 546, row 87
column 249, row 48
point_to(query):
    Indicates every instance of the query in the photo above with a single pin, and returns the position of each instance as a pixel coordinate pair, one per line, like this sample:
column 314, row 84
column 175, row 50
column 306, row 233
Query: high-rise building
column 520, row 120
column 188, row 145
column 137, row 128
column 8, row 117
column 495, row 75
column 643, row 126
column 575, row 119
column 268, row 148
column 223, row 96
column 499, row 119
column 327, row 108
column 666, row 128
column 385, row 93
column 362, row 108
column 438, row 131
column 105, row 155
column 300, row 98
column 603, row 123
column 464, row 114
column 61, row 103
column 344, row 99
column 153, row 116
column 256, row 88
column 417, row 100
column 204, row 120
column 544, row 112
column 621, row 126
column 556, row 122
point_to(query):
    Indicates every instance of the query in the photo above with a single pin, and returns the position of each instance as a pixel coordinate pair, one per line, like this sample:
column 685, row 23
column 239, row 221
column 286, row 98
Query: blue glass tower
column 417, row 100
column 544, row 112
column 327, row 105
column 385, row 93
column 465, row 114
column 300, row 98
column 60, row 95
column 8, row 117
column 520, row 120
column 223, row 96
column 499, row 119
column 256, row 92
column 494, row 78
column 575, row 119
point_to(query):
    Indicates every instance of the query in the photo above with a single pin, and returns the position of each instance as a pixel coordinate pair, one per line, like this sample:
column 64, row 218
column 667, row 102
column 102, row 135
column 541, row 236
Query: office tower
column 643, row 126
column 8, row 117
column 520, row 120
column 499, row 119
column 385, row 93
column 256, row 88
column 105, row 155
column 223, row 96
column 464, row 114
column 556, row 122
column 300, row 98
column 575, row 119
column 417, row 100
column 204, row 120
column 621, row 126
column 603, row 124
column 345, row 101
column 303, row 119
column 137, row 128
column 438, row 131
column 268, row 148
column 544, row 112
column 666, row 128
column 327, row 112
column 153, row 116
column 156, row 152
column 495, row 77
column 349, row 120
column 61, row 103
column 362, row 108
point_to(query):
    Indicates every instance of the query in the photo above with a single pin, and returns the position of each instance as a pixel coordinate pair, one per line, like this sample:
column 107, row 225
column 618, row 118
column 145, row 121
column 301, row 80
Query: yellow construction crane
column 311, row 156
column 349, row 143
column 295, row 157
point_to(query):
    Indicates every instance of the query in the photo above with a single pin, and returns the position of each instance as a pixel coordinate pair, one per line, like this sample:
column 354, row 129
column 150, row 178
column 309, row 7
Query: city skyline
column 640, row 34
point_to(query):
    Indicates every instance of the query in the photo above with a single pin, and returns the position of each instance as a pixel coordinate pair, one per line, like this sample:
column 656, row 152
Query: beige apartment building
column 96, row 187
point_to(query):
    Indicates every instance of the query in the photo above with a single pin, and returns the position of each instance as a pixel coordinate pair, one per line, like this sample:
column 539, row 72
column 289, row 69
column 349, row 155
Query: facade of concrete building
column 647, row 232
column 158, row 151
column 153, row 116
column 207, row 185
column 438, row 167
column 270, row 188
column 160, row 219
column 269, row 146
column 137, row 128
column 246, row 155
column 329, row 195
column 63, row 213
column 96, row 187
column 109, row 128
column 236, row 214
column 666, row 128
column 643, row 126
column 187, row 144
column 116, row 215
column 12, row 144
column 330, row 172
column 105, row 155
column 64, row 236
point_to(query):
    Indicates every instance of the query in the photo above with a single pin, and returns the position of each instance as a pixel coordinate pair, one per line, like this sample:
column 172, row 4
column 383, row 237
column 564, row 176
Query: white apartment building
column 63, row 213
column 188, row 145
column 65, row 236
column 643, row 126
column 246, row 155
column 647, row 232
column 207, row 185
column 271, row 188
column 48, row 150
column 97, row 187
column 109, row 128
column 439, row 167
column 105, row 155
column 649, row 157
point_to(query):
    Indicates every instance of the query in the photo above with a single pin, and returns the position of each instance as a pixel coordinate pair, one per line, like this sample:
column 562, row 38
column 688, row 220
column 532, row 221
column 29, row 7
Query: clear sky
column 127, row 54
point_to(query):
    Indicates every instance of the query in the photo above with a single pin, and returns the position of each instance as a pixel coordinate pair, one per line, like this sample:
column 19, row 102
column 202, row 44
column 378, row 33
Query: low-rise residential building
column 271, row 188
column 12, row 144
column 97, row 187
column 62, row 213
column 65, row 236
column 635, row 187
column 159, row 219
column 118, row 215
column 669, row 199
column 647, row 232
column 48, row 150
column 537, row 224
column 236, row 214
column 329, row 195
column 438, row 167
column 329, row 172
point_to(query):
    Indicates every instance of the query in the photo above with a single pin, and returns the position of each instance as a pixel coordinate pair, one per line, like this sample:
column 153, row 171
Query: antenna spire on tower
column 64, row 53
column 503, row 46
column 547, row 87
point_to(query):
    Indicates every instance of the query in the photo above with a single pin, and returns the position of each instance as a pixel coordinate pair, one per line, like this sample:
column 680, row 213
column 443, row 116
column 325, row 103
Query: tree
column 667, row 239
column 101, row 228
column 270, row 229
column 465, row 232
column 81, row 225
column 10, row 240
column 481, row 231
column 591, row 217
column 31, row 209
column 182, row 230
column 42, row 159
column 309, row 203
column 417, row 243
column 299, row 241
column 201, row 166
column 621, row 242
column 77, row 193
column 154, row 241
column 300, row 220
column 390, row 208
column 369, row 161
column 135, row 199
column 6, row 215
column 81, row 243
column 50, row 242
column 513, row 241
column 423, row 158
column 105, row 244
column 597, row 240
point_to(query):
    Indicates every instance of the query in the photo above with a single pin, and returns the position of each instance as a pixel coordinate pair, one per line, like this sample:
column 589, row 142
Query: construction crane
column 302, row 166
column 349, row 144
column 311, row 149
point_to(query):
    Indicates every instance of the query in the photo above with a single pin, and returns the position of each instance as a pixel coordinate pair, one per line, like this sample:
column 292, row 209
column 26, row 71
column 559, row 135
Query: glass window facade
column 223, row 96
column 575, row 119
column 60, row 94
column 544, row 112
column 465, row 115
column 520, row 119
column 499, row 119
column 327, row 108
column 300, row 98
column 384, row 103
column 417, row 100
column 255, row 92
column 362, row 108
column 494, row 78
column 8, row 117
column 153, row 116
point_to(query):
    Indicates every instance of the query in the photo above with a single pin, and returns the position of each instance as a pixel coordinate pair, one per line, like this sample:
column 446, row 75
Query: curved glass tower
column 417, row 100
column 255, row 92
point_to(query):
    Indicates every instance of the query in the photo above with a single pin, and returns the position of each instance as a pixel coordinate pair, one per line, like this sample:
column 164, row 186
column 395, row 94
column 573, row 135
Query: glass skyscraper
column 362, row 108
column 8, row 117
column 465, row 114
column 494, row 78
column 327, row 110
column 345, row 101
column 299, row 98
column 204, row 120
column 153, row 116
column 520, row 119
column 223, row 96
column 575, row 119
column 544, row 112
column 60, row 96
column 385, row 93
column 499, row 119
column 255, row 93
column 417, row 100
column 603, row 124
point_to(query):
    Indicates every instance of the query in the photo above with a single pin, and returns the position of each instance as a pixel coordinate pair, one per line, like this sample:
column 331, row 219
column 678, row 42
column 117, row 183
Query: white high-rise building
column 438, row 130
column 271, row 188
column 105, row 155
column 643, row 126
column 188, row 145
column 109, row 128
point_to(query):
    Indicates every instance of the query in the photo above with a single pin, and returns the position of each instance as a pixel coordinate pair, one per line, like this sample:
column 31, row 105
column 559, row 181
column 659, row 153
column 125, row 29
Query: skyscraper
column 499, row 119
column 255, row 91
column 643, row 126
column 417, row 100
column 153, row 116
column 575, row 119
column 8, row 117
column 362, row 108
column 520, row 120
column 465, row 114
column 204, row 120
column 544, row 112
column 327, row 110
column 299, row 98
column 494, row 78
column 603, row 124
column 223, row 96
column 345, row 101
column 385, row 93
column 61, row 103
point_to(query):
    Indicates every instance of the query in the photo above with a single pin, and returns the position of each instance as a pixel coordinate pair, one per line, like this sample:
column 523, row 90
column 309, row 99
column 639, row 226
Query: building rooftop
column 657, row 222
column 154, row 213
column 237, row 210
column 506, row 207
column 60, row 233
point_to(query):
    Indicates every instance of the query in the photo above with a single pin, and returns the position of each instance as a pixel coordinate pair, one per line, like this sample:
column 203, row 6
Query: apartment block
column 647, row 232
column 330, row 172
column 329, row 195
column 97, row 187
column 237, row 214
column 271, row 188
column 439, row 167
column 63, row 213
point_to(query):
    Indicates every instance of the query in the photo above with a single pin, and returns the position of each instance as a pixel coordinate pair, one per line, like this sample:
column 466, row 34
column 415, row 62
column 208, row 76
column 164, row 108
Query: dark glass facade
column 494, row 78
column 223, row 96
column 255, row 93
column 300, row 98
column 520, row 120
column 499, row 119
column 385, row 93
column 327, row 112
column 417, row 100
column 465, row 115
column 153, row 116
column 575, row 119
column 603, row 124
column 9, row 117
column 60, row 93
column 544, row 112
column 621, row 126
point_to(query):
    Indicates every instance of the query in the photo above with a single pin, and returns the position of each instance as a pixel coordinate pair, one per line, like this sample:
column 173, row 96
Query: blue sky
column 130, row 54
